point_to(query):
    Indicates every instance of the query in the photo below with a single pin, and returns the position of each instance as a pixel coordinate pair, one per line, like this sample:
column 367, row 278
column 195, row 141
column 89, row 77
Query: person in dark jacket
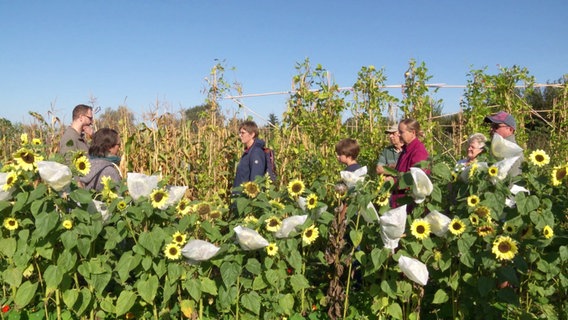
column 253, row 160
column 104, row 159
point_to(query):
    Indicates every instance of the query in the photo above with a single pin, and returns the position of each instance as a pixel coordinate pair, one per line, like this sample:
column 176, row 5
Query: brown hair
column 412, row 124
column 347, row 147
column 103, row 140
column 250, row 127
column 80, row 109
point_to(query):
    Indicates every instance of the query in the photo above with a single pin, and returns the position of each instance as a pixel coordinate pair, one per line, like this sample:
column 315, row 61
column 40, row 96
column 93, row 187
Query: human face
column 87, row 118
column 406, row 135
column 394, row 138
column 501, row 129
column 114, row 149
column 247, row 138
column 473, row 150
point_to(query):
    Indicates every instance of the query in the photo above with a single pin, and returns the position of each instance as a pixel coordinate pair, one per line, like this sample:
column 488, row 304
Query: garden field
column 171, row 242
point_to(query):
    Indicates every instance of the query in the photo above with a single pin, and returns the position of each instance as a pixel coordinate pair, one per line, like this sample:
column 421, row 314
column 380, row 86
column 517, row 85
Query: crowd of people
column 406, row 150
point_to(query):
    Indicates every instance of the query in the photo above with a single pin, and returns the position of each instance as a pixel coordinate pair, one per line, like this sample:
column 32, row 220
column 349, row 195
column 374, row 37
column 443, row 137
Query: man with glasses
column 75, row 136
column 389, row 155
column 503, row 124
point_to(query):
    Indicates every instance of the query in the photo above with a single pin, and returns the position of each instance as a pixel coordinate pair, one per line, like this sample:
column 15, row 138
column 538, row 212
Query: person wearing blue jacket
column 253, row 160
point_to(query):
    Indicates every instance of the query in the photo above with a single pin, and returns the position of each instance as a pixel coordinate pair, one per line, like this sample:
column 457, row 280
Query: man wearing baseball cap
column 389, row 155
column 502, row 124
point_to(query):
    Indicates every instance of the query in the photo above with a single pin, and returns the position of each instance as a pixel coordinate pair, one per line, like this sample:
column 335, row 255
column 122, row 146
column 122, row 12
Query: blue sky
column 155, row 55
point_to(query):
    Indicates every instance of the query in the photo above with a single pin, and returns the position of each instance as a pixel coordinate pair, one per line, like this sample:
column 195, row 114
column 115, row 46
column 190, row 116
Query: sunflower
column 11, row 179
column 26, row 159
column 472, row 169
column 383, row 199
column 493, row 171
column 276, row 204
column 159, row 197
column 504, row 248
column 310, row 235
column 474, row 219
column 179, row 238
column 67, row 224
column 215, row 214
column 558, row 173
column 183, row 207
column 121, row 205
column 508, row 228
column 311, row 201
column 296, row 187
column 472, row 200
column 203, row 209
column 485, row 230
column 273, row 224
column 456, row 226
column 172, row 251
column 251, row 189
column 83, row 165
column 437, row 255
column 24, row 138
column 272, row 249
column 454, row 177
column 36, row 142
column 527, row 232
column 250, row 220
column 547, row 232
column 10, row 223
column 539, row 158
column 420, row 229
column 483, row 212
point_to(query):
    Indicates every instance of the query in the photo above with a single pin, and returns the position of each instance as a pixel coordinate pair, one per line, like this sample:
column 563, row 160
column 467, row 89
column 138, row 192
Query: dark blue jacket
column 252, row 164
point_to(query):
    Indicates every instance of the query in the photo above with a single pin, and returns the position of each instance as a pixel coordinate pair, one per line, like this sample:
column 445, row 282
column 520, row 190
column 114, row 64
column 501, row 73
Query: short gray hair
column 479, row 137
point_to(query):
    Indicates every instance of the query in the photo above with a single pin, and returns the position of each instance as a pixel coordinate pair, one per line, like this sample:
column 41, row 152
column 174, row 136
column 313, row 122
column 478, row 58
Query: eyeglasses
column 496, row 126
column 90, row 118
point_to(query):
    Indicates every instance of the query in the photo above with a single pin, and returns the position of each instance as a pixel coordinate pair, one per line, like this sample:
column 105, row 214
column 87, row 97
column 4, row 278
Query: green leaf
column 440, row 297
column 395, row 311
column 356, row 237
column 7, row 247
column 526, row 205
column 24, row 294
column 147, row 289
column 258, row 284
column 13, row 277
column 251, row 301
column 70, row 297
column 84, row 246
column 69, row 239
column 81, row 196
column 45, row 223
column 485, row 285
column 53, row 277
column 229, row 273
column 125, row 302
column 286, row 302
column 152, row 241
column 295, row 260
column 193, row 286
column 299, row 282
column 253, row 266
column 66, row 261
column 209, row 286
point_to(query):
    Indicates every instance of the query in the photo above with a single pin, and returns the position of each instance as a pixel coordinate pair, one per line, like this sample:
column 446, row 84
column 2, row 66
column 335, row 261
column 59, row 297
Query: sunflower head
column 558, row 173
column 24, row 138
column 493, row 171
column 485, row 230
column 11, row 179
column 179, row 238
column 276, row 204
column 250, row 220
column 67, row 224
column 483, row 212
column 420, row 228
column 437, row 255
column 121, row 205
column 456, row 226
column 273, row 224
column 215, row 214
column 172, row 251
column 36, row 142
column 183, row 207
column 311, row 201
column 539, row 158
column 547, row 232
column 474, row 219
column 10, row 223
column 158, row 197
column 26, row 159
column 296, row 187
column 383, row 199
column 310, row 235
column 504, row 248
column 509, row 228
column 83, row 165
column 272, row 249
column 251, row 189
column 472, row 169
column 472, row 200
column 203, row 209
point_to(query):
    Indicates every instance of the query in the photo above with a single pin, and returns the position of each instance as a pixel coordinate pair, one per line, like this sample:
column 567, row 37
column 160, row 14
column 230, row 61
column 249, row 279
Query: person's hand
column 88, row 130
